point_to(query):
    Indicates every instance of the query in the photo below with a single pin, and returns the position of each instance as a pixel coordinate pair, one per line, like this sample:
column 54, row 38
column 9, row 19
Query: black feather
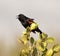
column 23, row 19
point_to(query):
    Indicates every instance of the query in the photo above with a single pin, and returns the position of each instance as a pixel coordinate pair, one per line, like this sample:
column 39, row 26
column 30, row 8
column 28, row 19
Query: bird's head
column 22, row 17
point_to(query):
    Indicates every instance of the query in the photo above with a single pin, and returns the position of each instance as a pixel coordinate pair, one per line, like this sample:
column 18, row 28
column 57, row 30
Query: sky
column 45, row 12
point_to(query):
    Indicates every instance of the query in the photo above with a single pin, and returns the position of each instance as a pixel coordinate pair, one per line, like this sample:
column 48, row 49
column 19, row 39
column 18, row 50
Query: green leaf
column 24, row 39
column 32, row 40
column 50, row 40
column 43, row 36
column 40, row 48
column 44, row 44
column 34, row 52
column 39, row 35
column 44, row 52
column 56, row 48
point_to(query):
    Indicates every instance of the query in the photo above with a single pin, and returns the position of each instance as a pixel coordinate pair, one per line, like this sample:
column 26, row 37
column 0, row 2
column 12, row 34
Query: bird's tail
column 38, row 30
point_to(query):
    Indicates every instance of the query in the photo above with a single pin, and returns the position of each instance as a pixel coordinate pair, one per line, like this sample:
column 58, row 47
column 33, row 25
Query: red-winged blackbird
column 25, row 21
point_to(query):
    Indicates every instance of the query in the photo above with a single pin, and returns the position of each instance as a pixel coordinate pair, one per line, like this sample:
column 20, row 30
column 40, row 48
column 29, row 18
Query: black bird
column 25, row 21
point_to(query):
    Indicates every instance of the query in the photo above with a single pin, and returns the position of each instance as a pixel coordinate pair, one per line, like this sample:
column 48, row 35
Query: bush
column 31, row 47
